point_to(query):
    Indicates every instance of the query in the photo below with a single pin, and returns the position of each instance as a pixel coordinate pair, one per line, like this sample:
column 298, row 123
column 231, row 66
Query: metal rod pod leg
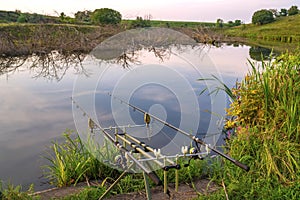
column 165, row 178
column 114, row 183
column 176, row 176
column 147, row 187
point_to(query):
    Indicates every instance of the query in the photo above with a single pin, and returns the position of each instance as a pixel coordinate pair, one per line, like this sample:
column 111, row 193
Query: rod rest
column 166, row 168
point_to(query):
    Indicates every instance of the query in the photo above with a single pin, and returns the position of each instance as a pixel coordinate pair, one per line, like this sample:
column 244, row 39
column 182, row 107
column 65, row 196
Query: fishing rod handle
column 154, row 177
column 237, row 163
column 241, row 165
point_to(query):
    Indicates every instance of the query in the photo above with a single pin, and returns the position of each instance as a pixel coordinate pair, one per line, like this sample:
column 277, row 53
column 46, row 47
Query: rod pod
column 194, row 138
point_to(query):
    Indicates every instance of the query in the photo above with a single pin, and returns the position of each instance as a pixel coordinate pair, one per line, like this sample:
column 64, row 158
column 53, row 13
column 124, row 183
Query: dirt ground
column 185, row 192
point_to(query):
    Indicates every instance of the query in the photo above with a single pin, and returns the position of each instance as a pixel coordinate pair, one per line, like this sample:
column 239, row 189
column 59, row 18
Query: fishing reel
column 120, row 161
column 192, row 152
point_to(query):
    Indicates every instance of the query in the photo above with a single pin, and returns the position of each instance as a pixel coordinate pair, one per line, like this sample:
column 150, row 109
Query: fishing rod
column 151, row 174
column 192, row 137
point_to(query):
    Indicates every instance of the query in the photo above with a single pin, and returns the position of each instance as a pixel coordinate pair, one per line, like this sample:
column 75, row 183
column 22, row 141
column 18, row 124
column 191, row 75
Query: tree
column 83, row 16
column 140, row 23
column 283, row 12
column 106, row 16
column 22, row 18
column 35, row 18
column 275, row 12
column 262, row 17
column 293, row 10
column 62, row 16
column 219, row 23
column 237, row 22
column 230, row 23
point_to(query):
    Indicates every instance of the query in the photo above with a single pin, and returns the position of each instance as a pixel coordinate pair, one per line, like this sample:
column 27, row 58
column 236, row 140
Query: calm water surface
column 36, row 108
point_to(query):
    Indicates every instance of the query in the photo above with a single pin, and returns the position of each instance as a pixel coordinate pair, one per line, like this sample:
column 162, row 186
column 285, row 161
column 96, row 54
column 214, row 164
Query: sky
column 178, row 10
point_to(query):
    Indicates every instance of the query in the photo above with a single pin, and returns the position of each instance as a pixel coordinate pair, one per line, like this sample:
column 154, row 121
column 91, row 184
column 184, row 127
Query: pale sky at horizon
column 188, row 10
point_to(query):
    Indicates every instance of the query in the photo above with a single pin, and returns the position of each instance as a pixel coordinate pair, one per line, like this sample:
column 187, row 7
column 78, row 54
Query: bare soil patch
column 185, row 191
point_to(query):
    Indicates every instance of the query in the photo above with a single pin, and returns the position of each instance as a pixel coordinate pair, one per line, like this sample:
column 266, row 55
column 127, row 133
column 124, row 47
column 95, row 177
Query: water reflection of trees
column 132, row 57
column 135, row 56
column 124, row 48
column 52, row 66
column 261, row 53
column 127, row 59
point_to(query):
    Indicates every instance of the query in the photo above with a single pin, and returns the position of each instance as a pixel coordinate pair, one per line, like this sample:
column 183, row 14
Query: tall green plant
column 269, row 103
column 11, row 192
column 71, row 161
column 267, row 132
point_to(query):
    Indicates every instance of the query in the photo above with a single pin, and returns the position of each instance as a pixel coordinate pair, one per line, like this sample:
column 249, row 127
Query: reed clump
column 72, row 161
column 265, row 120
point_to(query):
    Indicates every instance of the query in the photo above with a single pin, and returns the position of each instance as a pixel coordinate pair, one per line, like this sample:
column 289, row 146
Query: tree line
column 265, row 16
column 98, row 16
column 220, row 23
column 109, row 16
column 260, row 17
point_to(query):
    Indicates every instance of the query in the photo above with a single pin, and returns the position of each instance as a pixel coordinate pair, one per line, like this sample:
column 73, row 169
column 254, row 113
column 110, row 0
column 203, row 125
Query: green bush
column 140, row 23
column 22, row 18
column 293, row 10
column 106, row 16
column 262, row 17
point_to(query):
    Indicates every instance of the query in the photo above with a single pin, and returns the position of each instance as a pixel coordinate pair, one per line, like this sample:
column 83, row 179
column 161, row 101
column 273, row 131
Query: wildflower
column 229, row 124
column 253, row 91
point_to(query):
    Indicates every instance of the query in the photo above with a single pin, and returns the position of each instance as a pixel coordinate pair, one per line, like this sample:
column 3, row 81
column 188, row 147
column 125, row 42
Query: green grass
column 71, row 162
column 173, row 24
column 285, row 29
column 87, row 193
column 11, row 192
column 180, row 24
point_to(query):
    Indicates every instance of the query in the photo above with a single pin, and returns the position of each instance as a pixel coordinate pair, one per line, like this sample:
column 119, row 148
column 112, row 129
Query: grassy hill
column 284, row 29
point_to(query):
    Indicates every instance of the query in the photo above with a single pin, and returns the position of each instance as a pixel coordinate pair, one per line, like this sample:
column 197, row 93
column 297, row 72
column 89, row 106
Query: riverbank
column 26, row 39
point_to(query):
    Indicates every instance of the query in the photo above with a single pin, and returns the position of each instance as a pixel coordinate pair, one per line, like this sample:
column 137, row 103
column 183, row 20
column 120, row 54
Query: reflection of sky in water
column 33, row 112
column 36, row 111
column 157, row 87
